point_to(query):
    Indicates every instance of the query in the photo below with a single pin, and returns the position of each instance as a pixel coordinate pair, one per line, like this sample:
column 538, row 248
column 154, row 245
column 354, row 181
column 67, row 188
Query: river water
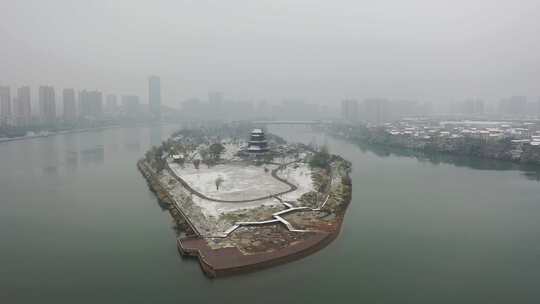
column 79, row 225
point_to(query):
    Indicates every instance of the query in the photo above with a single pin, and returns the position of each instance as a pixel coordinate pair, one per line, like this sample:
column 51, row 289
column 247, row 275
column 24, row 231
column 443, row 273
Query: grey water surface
column 79, row 225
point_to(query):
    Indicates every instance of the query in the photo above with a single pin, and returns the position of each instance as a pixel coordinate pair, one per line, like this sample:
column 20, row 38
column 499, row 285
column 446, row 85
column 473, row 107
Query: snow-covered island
column 243, row 199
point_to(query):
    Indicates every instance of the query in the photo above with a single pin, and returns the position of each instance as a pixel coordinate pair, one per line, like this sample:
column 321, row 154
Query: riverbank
column 56, row 133
column 496, row 149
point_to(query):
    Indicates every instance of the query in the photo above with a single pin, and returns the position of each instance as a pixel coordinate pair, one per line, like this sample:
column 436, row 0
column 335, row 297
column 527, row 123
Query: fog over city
column 315, row 51
column 269, row 151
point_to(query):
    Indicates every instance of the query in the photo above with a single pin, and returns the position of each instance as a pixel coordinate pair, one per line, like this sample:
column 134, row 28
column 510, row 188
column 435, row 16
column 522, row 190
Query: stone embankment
column 231, row 261
column 166, row 199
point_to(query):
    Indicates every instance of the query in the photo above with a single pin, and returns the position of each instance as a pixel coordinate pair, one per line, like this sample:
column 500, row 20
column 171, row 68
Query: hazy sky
column 318, row 50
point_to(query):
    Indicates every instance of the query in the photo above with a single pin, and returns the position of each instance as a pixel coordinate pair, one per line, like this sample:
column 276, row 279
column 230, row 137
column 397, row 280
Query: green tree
column 215, row 150
column 320, row 159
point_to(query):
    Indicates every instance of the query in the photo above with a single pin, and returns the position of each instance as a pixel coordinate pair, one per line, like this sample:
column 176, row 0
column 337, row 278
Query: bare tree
column 196, row 163
column 219, row 181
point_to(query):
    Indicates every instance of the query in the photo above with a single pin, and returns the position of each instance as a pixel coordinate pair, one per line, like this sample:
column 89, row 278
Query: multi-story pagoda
column 257, row 142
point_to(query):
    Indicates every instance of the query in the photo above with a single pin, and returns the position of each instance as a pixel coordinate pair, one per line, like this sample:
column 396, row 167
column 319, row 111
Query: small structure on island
column 257, row 142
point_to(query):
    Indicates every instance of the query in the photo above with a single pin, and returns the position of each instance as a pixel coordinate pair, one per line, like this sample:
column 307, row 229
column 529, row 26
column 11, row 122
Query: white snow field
column 300, row 177
column 240, row 182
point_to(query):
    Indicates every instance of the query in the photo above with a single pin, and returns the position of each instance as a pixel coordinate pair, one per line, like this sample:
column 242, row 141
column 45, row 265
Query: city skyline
column 54, row 104
column 50, row 105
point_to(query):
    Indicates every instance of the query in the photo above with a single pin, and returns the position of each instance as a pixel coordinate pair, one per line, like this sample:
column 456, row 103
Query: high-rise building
column 349, row 110
column 5, row 105
column 90, row 104
column 154, row 96
column 111, row 104
column 23, row 114
column 47, row 104
column 70, row 107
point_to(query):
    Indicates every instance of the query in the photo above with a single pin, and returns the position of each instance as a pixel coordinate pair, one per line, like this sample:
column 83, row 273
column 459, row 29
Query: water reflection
column 113, row 140
column 92, row 149
column 132, row 139
column 71, row 159
column 532, row 175
column 48, row 154
column 50, row 171
column 93, row 156
column 71, row 151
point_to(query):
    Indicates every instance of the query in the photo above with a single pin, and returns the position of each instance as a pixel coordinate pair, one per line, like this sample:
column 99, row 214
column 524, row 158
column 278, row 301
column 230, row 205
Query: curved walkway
column 274, row 175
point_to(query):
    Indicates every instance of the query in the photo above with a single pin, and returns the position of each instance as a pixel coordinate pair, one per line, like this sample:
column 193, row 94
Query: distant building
column 47, row 104
column 473, row 106
column 515, row 105
column 154, row 96
column 349, row 110
column 131, row 105
column 70, row 105
column 5, row 106
column 111, row 104
column 257, row 142
column 90, row 104
column 376, row 110
column 23, row 112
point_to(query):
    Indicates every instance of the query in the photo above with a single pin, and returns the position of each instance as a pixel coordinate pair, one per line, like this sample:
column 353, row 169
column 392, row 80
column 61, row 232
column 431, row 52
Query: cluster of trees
column 155, row 158
column 210, row 155
column 215, row 150
column 321, row 158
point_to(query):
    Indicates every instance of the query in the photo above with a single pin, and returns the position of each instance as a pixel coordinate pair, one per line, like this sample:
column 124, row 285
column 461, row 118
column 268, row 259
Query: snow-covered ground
column 300, row 177
column 240, row 182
